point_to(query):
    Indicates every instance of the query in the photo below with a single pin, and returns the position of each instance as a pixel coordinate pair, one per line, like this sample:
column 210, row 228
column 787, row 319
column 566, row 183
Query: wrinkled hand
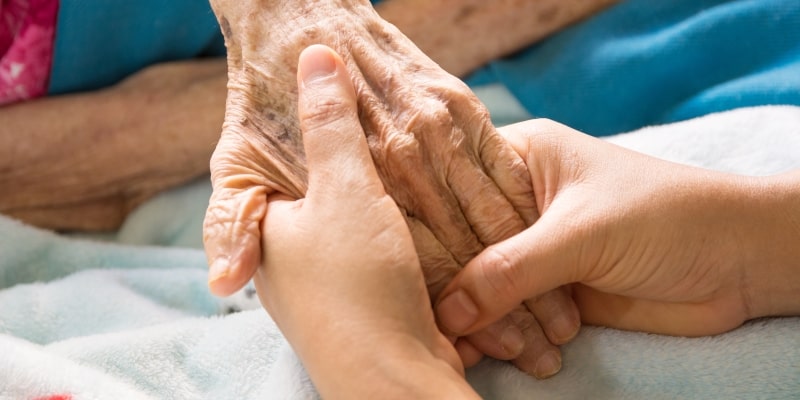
column 458, row 184
column 339, row 259
column 654, row 246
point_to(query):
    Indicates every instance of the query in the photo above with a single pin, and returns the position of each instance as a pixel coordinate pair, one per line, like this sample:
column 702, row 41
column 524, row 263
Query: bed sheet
column 131, row 318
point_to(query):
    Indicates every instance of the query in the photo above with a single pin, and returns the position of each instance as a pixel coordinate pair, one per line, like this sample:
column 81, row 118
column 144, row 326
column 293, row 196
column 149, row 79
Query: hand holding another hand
column 458, row 184
column 650, row 245
column 341, row 277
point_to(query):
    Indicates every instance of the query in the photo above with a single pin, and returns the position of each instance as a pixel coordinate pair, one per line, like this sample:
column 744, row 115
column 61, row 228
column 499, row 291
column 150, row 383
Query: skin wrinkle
column 487, row 149
column 387, row 85
column 384, row 42
column 420, row 124
column 435, row 116
column 276, row 181
column 535, row 337
column 471, row 245
column 454, row 167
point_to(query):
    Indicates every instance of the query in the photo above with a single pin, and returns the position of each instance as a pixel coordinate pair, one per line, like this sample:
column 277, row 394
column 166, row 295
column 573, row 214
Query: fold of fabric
column 645, row 62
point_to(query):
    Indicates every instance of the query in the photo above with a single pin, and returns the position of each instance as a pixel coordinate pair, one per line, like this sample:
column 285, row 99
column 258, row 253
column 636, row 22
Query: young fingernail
column 457, row 312
column 316, row 62
column 218, row 270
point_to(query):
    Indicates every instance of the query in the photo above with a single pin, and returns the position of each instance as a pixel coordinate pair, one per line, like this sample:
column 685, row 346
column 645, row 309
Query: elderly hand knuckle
column 433, row 118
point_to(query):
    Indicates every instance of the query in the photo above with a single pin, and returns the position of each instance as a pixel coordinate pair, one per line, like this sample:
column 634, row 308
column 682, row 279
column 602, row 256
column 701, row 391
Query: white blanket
column 83, row 319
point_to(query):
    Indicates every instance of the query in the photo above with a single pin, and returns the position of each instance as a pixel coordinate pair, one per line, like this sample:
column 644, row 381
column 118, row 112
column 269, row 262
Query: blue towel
column 646, row 62
column 100, row 42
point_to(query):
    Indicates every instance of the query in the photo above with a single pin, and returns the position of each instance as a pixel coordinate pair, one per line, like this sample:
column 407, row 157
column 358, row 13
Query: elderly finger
column 416, row 180
column 557, row 314
column 232, row 237
column 539, row 358
column 497, row 158
column 438, row 265
column 502, row 340
column 470, row 356
column 489, row 212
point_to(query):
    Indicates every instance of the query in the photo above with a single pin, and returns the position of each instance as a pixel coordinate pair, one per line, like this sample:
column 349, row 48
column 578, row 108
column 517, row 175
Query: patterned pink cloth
column 27, row 29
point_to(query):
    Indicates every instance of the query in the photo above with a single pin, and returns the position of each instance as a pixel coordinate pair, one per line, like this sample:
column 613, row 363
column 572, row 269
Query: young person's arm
column 773, row 257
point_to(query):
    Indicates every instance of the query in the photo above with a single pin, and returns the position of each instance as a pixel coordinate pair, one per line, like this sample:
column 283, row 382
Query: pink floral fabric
column 27, row 30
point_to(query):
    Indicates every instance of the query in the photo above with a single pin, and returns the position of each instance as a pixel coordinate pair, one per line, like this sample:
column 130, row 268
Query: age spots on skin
column 465, row 13
column 548, row 13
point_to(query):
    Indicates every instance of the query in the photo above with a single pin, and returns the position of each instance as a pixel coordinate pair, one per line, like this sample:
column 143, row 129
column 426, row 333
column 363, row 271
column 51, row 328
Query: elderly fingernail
column 457, row 312
column 548, row 365
column 219, row 269
column 512, row 341
column 316, row 63
column 563, row 329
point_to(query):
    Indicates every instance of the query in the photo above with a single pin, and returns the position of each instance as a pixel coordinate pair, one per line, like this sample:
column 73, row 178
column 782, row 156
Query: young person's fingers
column 504, row 275
column 336, row 149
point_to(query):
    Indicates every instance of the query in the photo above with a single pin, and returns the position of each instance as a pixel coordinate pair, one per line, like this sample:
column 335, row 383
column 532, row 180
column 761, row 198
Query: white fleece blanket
column 83, row 319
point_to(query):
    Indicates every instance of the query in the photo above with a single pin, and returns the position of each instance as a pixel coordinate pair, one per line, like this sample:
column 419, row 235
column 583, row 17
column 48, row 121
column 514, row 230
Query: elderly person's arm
column 83, row 161
column 150, row 145
column 461, row 35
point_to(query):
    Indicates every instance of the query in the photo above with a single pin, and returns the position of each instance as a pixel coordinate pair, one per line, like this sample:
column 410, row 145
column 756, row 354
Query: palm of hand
column 642, row 281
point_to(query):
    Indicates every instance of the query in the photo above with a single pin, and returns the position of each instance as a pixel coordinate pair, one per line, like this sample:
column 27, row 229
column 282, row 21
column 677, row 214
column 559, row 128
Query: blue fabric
column 100, row 42
column 641, row 62
column 646, row 62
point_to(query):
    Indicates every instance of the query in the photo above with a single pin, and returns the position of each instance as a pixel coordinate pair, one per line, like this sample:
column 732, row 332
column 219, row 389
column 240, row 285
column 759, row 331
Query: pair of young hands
column 646, row 245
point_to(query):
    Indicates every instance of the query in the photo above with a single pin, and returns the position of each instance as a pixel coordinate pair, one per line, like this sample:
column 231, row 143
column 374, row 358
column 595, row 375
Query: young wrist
column 772, row 260
column 390, row 364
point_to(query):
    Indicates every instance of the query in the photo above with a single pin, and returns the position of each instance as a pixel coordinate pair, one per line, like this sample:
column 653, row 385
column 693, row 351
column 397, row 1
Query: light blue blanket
column 133, row 319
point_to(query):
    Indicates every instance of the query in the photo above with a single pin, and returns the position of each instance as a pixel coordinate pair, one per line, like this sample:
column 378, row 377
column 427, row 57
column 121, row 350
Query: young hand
column 653, row 246
column 341, row 277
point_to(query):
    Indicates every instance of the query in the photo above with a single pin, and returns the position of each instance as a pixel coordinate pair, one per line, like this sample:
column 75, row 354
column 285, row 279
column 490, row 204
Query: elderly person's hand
column 340, row 275
column 652, row 245
column 459, row 185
